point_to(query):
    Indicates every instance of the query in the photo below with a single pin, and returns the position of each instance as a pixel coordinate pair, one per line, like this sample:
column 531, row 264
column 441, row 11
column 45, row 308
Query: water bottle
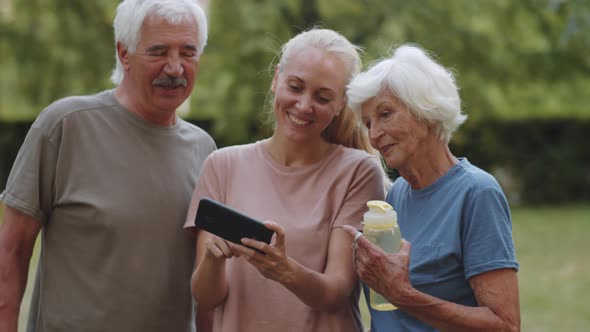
column 382, row 230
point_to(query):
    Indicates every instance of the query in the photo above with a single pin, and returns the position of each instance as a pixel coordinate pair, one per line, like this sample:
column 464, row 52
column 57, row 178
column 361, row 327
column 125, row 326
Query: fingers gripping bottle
column 382, row 230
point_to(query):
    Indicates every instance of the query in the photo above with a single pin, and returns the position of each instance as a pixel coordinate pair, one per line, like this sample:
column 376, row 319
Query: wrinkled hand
column 272, row 261
column 385, row 273
column 219, row 248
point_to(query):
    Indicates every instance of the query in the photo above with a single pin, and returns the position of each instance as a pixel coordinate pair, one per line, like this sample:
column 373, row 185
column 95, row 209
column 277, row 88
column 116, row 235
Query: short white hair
column 131, row 14
column 425, row 86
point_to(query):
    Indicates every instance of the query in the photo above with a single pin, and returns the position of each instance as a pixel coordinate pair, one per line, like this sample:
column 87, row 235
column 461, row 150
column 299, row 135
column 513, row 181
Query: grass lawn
column 554, row 276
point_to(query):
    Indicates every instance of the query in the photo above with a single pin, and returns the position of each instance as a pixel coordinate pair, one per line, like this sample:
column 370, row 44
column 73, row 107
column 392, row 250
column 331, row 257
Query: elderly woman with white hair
column 456, row 269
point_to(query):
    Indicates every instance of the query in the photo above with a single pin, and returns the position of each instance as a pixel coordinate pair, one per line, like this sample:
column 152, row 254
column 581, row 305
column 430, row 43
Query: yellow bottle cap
column 380, row 215
column 380, row 206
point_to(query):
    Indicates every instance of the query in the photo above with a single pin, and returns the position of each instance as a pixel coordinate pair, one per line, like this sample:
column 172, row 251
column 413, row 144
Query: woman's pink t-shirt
column 308, row 202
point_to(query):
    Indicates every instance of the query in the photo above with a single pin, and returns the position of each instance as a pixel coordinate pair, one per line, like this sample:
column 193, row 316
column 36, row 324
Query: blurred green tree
column 50, row 49
column 514, row 59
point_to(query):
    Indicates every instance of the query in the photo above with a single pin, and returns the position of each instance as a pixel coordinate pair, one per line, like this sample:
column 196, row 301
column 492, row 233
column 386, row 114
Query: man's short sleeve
column 30, row 185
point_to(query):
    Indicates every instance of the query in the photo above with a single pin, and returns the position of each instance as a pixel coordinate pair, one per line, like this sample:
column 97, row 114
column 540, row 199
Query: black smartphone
column 228, row 223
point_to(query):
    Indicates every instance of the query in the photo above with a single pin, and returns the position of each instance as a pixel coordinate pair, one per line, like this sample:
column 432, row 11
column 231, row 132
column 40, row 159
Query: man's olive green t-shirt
column 111, row 191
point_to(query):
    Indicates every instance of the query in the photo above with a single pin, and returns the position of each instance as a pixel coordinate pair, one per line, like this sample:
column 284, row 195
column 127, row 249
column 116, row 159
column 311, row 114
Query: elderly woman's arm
column 496, row 292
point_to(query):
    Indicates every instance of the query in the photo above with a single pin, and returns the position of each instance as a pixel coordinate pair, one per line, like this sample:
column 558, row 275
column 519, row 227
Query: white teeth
column 297, row 121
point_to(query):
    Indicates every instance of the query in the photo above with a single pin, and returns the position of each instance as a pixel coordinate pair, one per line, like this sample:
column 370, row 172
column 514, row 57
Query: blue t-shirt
column 459, row 227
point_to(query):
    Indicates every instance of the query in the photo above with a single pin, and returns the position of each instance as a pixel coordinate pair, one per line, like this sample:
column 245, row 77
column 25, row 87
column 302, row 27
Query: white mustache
column 170, row 82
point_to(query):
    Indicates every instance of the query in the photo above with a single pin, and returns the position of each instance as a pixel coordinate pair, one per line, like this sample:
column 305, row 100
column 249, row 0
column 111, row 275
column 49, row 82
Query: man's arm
column 17, row 240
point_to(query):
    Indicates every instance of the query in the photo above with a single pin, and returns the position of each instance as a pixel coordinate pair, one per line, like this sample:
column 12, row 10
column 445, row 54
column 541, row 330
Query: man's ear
column 273, row 86
column 123, row 55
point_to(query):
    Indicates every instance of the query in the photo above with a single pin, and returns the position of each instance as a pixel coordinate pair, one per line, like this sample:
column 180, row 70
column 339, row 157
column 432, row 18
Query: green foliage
column 513, row 59
column 537, row 161
column 235, row 70
column 51, row 49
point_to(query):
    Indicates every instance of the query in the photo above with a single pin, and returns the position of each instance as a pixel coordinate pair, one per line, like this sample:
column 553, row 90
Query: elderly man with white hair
column 107, row 180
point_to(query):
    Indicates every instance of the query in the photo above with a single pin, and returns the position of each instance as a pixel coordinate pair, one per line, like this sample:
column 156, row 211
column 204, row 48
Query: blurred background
column 523, row 68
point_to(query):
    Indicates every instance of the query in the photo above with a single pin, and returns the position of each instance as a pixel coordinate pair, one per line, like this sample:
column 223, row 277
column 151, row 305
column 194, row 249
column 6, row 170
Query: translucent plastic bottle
column 381, row 229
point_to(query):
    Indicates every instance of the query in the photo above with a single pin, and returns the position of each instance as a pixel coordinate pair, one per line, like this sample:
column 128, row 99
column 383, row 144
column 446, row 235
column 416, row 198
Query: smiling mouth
column 297, row 121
